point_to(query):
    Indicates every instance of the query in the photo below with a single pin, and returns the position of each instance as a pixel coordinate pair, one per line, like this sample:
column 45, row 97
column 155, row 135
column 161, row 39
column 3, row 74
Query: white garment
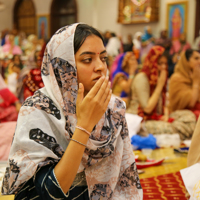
column 191, row 179
column 133, row 122
column 12, row 82
column 136, row 42
column 113, row 46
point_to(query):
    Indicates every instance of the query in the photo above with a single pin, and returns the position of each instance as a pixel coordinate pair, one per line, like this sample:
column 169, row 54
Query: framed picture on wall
column 43, row 26
column 177, row 19
column 138, row 11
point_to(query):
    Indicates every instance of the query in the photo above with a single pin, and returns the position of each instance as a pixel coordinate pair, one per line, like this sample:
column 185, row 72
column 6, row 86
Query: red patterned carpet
column 164, row 187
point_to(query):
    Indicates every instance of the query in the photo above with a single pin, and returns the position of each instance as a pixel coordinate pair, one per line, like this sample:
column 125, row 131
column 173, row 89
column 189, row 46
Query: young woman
column 71, row 140
column 123, row 75
column 184, row 87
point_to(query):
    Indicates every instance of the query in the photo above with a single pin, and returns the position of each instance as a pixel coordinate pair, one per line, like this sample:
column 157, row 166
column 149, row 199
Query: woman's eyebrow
column 91, row 53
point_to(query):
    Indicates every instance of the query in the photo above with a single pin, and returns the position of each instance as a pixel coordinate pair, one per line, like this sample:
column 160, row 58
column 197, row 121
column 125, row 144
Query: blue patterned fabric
column 44, row 186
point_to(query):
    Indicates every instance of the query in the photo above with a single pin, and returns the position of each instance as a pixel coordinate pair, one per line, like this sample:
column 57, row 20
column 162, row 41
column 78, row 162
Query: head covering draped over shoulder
column 150, row 68
column 120, row 71
column 180, row 85
column 47, row 121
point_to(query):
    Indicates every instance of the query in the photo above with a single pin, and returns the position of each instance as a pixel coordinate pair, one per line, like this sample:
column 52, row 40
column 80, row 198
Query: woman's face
column 162, row 63
column 91, row 62
column 132, row 60
column 16, row 59
column 194, row 60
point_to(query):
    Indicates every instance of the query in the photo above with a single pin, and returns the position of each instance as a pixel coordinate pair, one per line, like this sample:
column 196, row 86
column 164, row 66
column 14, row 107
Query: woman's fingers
column 102, row 89
column 92, row 93
column 80, row 95
column 107, row 100
column 105, row 93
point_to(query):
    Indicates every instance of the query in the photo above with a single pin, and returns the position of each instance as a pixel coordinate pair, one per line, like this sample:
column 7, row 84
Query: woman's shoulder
column 175, row 77
column 40, row 101
column 140, row 77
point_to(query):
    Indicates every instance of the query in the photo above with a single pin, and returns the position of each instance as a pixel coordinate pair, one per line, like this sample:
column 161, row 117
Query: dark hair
column 81, row 33
column 189, row 52
column 113, row 34
column 165, row 54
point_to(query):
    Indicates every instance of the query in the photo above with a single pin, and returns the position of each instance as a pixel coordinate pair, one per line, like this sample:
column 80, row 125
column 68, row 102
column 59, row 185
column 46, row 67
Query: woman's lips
column 96, row 79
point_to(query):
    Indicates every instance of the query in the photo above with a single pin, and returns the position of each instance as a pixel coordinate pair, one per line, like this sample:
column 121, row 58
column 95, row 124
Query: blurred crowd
column 20, row 67
column 158, row 78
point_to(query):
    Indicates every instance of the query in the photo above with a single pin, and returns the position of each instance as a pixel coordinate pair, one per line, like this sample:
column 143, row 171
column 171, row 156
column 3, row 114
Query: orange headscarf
column 180, row 86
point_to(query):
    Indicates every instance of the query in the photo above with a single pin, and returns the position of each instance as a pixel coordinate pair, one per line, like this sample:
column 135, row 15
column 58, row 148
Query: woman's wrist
column 88, row 128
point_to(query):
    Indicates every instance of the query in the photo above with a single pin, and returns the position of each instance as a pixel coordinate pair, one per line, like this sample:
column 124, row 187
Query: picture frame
column 43, row 27
column 176, row 22
column 138, row 11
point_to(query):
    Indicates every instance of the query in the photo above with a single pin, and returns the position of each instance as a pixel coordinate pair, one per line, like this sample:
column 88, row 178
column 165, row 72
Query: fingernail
column 103, row 77
column 107, row 77
column 80, row 85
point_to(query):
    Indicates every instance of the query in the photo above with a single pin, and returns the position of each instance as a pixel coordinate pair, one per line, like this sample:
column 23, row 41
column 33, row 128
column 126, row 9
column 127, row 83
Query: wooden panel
column 197, row 21
column 63, row 12
column 24, row 16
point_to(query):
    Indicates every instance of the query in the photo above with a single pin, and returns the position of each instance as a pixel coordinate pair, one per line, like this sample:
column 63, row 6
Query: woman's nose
column 99, row 65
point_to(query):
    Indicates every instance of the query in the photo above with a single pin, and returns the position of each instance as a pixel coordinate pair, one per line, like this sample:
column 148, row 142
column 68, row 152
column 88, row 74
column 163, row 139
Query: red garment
column 150, row 68
column 32, row 82
column 8, row 110
column 196, row 110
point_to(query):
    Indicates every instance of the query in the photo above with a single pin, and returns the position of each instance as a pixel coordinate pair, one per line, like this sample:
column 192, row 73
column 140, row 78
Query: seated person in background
column 147, row 42
column 30, row 78
column 9, row 47
column 129, row 45
column 9, row 104
column 184, row 85
column 164, row 41
column 179, row 45
column 124, row 74
column 113, row 46
column 12, row 78
column 148, row 98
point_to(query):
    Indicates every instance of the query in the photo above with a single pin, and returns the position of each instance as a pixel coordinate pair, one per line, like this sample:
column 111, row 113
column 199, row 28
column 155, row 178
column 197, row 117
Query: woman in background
column 123, row 75
column 184, row 85
column 147, row 42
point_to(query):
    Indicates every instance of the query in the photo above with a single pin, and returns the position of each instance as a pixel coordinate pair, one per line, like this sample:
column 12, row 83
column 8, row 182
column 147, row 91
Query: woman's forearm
column 153, row 100
column 126, row 85
column 195, row 94
column 66, row 169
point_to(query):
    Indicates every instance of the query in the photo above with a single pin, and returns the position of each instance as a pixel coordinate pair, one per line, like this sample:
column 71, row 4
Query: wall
column 103, row 14
column 6, row 17
column 107, row 12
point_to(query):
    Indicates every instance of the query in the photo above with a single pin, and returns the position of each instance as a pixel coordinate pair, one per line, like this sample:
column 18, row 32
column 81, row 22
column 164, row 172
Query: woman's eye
column 87, row 60
column 104, row 59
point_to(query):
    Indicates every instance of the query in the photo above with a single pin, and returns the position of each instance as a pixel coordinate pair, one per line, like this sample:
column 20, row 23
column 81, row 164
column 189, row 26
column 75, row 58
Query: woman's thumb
column 80, row 93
